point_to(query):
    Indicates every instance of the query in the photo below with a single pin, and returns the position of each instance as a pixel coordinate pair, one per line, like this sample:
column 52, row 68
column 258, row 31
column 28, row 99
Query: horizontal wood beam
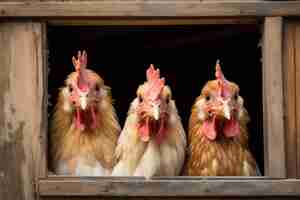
column 165, row 22
column 169, row 188
column 138, row 178
column 151, row 8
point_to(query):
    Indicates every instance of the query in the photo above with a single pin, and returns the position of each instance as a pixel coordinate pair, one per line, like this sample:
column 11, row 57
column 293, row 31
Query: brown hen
column 84, row 126
column 218, row 135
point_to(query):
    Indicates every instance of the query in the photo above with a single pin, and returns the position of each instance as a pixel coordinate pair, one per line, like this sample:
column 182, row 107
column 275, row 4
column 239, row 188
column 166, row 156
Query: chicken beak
column 83, row 101
column 226, row 111
column 156, row 112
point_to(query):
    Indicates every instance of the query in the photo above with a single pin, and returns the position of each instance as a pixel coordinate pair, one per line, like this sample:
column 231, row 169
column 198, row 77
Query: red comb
column 222, row 82
column 154, row 83
column 81, row 61
column 80, row 66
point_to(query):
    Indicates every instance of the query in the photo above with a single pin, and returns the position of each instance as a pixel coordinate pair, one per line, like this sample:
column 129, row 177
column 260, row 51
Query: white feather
column 103, row 92
column 82, row 169
column 169, row 161
column 86, row 170
column 201, row 112
column 138, row 158
column 66, row 107
column 149, row 164
column 127, row 150
column 241, row 111
column 121, row 169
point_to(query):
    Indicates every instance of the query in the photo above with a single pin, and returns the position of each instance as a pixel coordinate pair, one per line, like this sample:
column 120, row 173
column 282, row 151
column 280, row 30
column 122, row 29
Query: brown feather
column 67, row 141
column 221, row 157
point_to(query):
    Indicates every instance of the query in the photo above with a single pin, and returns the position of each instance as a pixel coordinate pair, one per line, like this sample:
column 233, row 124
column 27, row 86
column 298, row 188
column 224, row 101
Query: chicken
column 84, row 126
column 218, row 135
column 153, row 141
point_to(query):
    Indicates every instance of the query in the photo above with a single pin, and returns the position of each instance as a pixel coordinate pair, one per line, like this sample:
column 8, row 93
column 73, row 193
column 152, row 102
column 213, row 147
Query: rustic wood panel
column 21, row 103
column 41, row 158
column 151, row 8
column 169, row 188
column 119, row 0
column 19, row 0
column 273, row 98
column 297, row 72
column 174, row 198
column 290, row 98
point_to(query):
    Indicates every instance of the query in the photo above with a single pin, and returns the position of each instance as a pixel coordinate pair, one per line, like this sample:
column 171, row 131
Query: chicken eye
column 140, row 98
column 168, row 100
column 97, row 87
column 236, row 96
column 207, row 97
column 70, row 88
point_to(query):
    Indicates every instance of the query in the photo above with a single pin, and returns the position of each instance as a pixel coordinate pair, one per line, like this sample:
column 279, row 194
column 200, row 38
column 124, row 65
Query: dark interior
column 186, row 56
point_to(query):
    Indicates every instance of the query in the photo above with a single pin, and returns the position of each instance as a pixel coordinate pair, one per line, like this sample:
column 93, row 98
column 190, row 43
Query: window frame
column 274, row 159
column 139, row 12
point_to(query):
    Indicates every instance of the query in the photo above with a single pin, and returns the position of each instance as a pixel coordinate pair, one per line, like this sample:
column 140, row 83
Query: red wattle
column 231, row 128
column 78, row 123
column 161, row 132
column 209, row 129
column 144, row 131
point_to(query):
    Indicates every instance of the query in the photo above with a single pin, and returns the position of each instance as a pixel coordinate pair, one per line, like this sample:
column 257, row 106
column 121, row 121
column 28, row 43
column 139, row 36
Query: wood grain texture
column 41, row 159
column 151, row 8
column 297, row 74
column 21, row 103
column 274, row 143
column 153, row 22
column 169, row 188
column 290, row 98
column 168, row 198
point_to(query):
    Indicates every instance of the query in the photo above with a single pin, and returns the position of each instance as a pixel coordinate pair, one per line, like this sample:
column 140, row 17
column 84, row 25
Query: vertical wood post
column 22, row 102
column 274, row 143
column 297, row 92
column 289, row 73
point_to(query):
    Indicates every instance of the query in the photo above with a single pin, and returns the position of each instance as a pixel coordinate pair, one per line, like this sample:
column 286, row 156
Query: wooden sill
column 151, row 8
column 168, row 186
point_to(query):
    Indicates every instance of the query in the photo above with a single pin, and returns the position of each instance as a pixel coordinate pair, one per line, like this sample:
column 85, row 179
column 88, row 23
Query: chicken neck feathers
column 223, row 157
column 67, row 141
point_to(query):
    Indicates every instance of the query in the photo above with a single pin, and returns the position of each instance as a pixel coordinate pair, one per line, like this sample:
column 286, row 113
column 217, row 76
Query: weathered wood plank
column 173, row 178
column 290, row 98
column 151, row 8
column 273, row 98
column 168, row 198
column 170, row 188
column 21, row 94
column 40, row 150
column 153, row 22
column 297, row 72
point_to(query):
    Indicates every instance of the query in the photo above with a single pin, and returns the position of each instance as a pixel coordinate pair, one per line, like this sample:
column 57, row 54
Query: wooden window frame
column 274, row 149
column 170, row 12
